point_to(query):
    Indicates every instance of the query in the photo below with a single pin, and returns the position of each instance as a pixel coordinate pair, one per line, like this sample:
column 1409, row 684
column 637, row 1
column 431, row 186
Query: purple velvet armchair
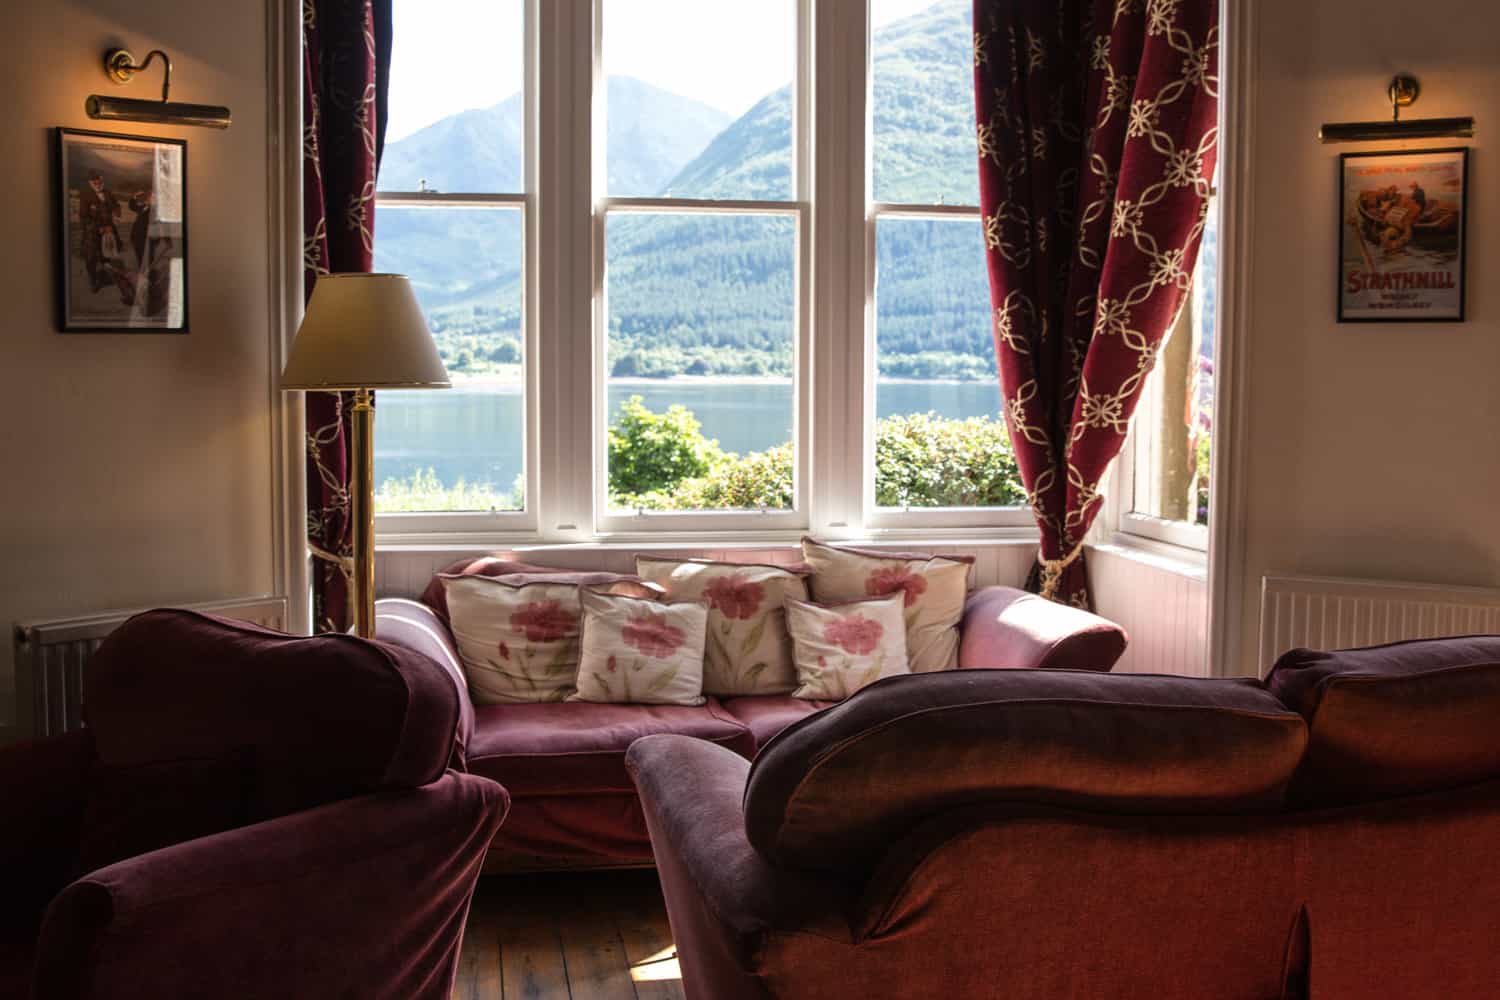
column 248, row 814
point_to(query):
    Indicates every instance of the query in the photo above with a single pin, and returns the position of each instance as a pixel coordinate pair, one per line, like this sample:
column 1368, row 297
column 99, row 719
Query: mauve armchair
column 248, row 814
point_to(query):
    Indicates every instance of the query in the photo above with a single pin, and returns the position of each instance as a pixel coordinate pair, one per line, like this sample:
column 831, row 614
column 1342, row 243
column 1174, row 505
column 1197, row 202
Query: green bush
column 921, row 460
column 650, row 452
column 423, row 491
column 924, row 460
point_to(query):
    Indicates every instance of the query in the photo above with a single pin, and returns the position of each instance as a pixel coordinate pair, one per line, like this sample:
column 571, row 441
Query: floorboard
column 569, row 936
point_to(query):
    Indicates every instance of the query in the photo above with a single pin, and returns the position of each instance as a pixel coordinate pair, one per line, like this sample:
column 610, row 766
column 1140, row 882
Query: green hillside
column 714, row 294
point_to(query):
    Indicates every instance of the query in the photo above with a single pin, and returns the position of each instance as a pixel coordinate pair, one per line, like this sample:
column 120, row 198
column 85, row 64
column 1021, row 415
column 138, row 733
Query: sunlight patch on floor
column 657, row 968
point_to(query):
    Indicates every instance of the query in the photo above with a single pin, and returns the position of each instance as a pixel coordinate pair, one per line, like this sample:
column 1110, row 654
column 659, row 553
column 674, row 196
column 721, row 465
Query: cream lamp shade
column 364, row 331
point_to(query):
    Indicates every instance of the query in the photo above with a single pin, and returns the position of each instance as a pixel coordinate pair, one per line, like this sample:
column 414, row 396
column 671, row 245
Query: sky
column 452, row 55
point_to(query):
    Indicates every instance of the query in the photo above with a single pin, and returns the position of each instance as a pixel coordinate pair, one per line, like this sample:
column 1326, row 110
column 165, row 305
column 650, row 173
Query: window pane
column 461, row 448
column 702, row 320
column 456, row 120
column 925, row 151
column 1174, row 425
column 940, row 439
column 699, row 98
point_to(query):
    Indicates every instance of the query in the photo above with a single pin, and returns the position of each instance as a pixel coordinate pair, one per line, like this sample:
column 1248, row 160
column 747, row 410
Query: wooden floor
column 570, row 936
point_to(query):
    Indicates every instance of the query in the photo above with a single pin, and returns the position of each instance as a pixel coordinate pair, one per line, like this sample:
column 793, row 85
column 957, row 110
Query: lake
column 473, row 432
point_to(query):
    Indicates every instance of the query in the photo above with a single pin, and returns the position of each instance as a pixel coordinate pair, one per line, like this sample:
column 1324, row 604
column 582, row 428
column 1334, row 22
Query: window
column 1164, row 471
column 675, row 332
column 452, row 215
column 937, row 440
column 702, row 223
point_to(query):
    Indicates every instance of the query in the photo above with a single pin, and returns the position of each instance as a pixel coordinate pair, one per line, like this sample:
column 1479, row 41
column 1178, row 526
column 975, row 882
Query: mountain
column 709, row 294
column 699, row 293
column 651, row 132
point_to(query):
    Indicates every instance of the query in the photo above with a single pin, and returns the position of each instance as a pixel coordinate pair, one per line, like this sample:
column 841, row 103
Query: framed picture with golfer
column 122, row 230
column 1403, row 225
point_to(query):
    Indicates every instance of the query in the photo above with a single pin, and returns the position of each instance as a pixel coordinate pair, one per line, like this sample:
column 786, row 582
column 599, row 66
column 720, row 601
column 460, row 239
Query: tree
column 656, row 451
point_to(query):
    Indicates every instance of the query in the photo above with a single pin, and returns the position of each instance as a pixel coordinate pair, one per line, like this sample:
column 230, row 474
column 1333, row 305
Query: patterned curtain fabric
column 1098, row 133
column 346, row 57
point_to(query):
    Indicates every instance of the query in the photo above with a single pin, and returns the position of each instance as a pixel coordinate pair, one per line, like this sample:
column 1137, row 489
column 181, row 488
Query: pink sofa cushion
column 834, row 790
column 1393, row 720
column 1006, row 627
column 767, row 715
column 578, row 748
column 516, row 574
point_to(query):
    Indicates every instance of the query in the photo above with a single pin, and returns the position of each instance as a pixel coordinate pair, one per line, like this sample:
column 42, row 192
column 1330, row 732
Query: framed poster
column 1403, row 221
column 122, row 232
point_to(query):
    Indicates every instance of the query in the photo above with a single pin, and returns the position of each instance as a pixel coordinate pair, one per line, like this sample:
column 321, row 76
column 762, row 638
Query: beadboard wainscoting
column 1161, row 603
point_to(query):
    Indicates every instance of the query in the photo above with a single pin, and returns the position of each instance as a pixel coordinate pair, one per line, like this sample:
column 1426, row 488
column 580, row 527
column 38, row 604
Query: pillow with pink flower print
column 933, row 589
column 748, row 649
column 517, row 643
column 641, row 651
column 844, row 647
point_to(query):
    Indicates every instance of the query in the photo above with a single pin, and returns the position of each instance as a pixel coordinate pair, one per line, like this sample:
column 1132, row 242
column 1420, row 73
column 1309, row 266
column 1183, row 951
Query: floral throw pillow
column 748, row 649
column 640, row 651
column 933, row 588
column 517, row 642
column 844, row 647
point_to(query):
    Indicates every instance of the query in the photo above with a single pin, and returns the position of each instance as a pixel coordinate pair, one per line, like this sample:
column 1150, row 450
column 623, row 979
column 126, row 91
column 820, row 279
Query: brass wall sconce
column 1403, row 92
column 121, row 66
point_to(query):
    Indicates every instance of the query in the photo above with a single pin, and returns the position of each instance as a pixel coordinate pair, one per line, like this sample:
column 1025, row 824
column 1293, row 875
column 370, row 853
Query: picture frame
column 1403, row 235
column 122, row 232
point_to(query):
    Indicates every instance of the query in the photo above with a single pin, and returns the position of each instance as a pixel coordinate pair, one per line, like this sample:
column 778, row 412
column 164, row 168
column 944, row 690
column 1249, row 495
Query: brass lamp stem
column 121, row 66
column 362, row 509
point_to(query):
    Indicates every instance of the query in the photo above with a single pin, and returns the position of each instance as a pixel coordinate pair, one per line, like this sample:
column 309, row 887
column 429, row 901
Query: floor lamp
column 363, row 332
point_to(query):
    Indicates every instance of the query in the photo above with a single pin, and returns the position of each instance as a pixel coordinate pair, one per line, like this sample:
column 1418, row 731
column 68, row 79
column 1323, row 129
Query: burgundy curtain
column 1098, row 129
column 346, row 57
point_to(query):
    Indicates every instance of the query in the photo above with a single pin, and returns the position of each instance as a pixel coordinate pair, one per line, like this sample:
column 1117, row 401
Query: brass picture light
column 121, row 66
column 1403, row 92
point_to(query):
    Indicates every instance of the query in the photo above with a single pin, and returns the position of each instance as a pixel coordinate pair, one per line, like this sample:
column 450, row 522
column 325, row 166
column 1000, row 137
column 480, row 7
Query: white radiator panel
column 1334, row 613
column 50, row 656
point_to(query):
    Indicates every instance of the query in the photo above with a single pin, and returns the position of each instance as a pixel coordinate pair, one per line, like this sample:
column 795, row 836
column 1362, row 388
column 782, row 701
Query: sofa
column 573, row 803
column 1331, row 833
column 248, row 814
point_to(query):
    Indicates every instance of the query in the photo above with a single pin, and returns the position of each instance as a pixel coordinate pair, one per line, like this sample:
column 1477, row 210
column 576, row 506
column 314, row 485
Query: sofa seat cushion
column 578, row 748
column 834, row 790
column 767, row 715
column 1398, row 719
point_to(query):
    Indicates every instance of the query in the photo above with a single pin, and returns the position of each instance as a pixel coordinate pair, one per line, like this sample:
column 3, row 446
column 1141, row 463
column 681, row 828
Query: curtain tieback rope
column 1053, row 569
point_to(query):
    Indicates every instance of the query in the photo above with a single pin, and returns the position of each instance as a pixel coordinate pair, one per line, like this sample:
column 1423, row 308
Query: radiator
column 50, row 656
column 1331, row 613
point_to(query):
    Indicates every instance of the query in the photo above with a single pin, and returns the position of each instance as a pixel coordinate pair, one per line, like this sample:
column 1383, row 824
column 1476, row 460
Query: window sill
column 1176, row 559
column 893, row 538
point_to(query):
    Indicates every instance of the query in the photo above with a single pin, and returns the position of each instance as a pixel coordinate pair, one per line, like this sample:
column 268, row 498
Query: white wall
column 138, row 469
column 1373, row 450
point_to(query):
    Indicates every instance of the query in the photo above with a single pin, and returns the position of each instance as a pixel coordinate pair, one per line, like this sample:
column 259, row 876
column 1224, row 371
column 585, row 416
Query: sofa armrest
column 415, row 626
column 44, row 784
column 723, row 898
column 365, row 897
column 1006, row 627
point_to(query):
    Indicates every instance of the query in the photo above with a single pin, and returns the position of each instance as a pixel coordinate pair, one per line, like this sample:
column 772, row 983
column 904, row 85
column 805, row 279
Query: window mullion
column 840, row 191
column 565, row 78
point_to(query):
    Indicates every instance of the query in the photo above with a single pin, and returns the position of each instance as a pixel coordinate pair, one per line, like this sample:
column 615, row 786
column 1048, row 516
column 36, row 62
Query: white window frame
column 498, row 524
column 565, row 205
column 1190, row 539
column 799, row 209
